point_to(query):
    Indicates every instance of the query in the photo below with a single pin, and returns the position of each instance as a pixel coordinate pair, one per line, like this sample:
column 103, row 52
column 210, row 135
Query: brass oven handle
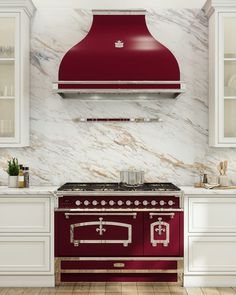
column 119, row 265
column 162, row 214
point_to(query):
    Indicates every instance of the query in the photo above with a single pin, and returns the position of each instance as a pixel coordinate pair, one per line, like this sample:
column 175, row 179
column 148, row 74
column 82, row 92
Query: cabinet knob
column 86, row 202
column 145, row 202
column 103, row 203
column 171, row 203
column 94, row 203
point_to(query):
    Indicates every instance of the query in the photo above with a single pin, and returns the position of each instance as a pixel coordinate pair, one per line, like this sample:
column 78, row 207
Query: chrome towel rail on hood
column 119, row 120
column 119, row 55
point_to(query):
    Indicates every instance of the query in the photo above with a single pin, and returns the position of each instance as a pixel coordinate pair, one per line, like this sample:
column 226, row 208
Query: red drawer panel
column 119, row 277
column 119, row 264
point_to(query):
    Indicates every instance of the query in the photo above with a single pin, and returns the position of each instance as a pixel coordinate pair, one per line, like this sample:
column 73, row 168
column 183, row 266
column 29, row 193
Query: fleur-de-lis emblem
column 119, row 44
column 159, row 229
column 100, row 229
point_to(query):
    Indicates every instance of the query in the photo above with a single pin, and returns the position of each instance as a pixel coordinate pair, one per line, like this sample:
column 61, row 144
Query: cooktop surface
column 115, row 186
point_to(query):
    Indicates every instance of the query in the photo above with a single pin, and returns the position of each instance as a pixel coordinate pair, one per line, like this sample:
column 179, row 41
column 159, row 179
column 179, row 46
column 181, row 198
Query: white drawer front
column 24, row 254
column 24, row 214
column 212, row 215
column 212, row 254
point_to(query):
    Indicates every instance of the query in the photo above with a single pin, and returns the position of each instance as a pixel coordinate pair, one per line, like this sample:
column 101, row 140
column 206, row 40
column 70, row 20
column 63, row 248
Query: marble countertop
column 33, row 190
column 46, row 190
column 190, row 190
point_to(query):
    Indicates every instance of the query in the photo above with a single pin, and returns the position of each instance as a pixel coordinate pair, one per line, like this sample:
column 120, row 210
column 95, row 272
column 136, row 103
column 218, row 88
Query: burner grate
column 114, row 186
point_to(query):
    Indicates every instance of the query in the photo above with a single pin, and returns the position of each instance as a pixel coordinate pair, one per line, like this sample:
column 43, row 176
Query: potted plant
column 13, row 171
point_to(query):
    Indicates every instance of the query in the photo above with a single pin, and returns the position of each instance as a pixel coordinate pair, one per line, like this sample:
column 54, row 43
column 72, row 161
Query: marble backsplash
column 63, row 149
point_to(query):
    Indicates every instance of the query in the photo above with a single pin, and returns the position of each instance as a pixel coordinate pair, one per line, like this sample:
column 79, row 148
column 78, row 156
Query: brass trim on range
column 100, row 229
column 100, row 210
column 161, row 214
column 67, row 214
column 159, row 227
column 119, row 82
column 134, row 258
column 59, row 270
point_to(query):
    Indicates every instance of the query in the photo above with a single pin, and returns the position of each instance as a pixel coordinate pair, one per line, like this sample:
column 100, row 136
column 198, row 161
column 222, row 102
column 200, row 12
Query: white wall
column 119, row 4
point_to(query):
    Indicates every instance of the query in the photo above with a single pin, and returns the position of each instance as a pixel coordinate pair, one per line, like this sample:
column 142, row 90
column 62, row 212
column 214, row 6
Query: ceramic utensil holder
column 223, row 180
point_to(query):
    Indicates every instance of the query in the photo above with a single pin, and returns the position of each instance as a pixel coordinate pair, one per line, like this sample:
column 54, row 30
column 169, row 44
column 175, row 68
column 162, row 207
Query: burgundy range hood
column 119, row 55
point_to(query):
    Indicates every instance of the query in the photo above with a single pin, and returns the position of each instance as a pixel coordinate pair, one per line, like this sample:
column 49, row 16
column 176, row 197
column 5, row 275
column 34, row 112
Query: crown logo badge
column 119, row 44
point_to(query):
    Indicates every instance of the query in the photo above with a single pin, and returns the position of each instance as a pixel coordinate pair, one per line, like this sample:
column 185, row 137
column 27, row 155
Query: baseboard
column 209, row 281
column 27, row 281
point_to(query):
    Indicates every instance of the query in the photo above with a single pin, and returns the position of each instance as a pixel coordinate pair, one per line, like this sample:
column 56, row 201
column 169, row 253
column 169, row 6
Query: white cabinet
column 23, row 254
column 26, row 240
column 211, row 255
column 210, row 240
column 24, row 215
column 14, row 72
column 212, row 215
column 222, row 72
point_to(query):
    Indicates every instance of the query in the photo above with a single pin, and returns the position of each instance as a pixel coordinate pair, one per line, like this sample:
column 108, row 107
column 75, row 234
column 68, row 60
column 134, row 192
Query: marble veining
column 63, row 149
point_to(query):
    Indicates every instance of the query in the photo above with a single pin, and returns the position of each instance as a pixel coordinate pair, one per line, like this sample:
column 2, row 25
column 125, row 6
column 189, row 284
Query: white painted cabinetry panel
column 24, row 254
column 212, row 254
column 210, row 240
column 24, row 214
column 212, row 215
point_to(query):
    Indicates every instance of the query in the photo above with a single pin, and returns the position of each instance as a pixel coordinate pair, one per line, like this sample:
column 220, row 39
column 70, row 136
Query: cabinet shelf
column 7, row 61
column 230, row 97
column 7, row 97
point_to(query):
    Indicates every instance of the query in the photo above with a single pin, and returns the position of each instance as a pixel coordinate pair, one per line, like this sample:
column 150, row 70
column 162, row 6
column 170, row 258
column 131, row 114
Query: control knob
column 95, row 203
column 86, row 202
column 77, row 203
column 145, row 203
column 111, row 203
column 136, row 202
column 120, row 203
column 128, row 203
column 153, row 203
column 103, row 203
column 162, row 203
column 171, row 203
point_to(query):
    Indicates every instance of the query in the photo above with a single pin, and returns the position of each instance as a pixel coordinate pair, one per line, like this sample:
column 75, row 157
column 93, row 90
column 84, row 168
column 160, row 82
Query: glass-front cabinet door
column 227, row 78
column 9, row 78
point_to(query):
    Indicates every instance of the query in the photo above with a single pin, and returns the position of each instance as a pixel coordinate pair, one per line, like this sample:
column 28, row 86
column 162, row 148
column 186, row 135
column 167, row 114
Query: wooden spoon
column 225, row 166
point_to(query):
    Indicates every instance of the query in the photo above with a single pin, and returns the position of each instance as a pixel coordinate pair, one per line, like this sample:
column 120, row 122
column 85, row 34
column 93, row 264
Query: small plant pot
column 12, row 181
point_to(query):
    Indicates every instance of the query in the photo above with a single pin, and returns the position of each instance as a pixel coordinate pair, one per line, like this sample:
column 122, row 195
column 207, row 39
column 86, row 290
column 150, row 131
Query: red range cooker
column 113, row 232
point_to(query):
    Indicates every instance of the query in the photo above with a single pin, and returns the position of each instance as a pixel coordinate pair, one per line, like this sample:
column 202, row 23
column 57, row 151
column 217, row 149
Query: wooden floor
column 119, row 289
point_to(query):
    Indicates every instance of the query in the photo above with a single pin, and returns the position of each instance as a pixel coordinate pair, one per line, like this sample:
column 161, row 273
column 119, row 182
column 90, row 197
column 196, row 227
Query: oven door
column 98, row 234
column 163, row 234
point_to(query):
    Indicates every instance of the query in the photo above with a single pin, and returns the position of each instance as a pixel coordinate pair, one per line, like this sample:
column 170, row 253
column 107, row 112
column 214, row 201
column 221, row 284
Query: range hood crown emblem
column 119, row 44
column 143, row 65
